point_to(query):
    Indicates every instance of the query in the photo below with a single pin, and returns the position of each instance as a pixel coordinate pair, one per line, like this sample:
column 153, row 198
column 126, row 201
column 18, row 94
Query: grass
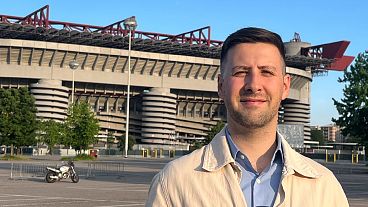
column 9, row 157
column 79, row 157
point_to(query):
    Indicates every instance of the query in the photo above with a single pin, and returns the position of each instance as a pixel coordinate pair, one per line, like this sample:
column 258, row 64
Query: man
column 248, row 163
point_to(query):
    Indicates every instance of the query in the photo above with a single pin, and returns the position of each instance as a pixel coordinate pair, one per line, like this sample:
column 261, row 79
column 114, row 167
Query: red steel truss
column 334, row 50
column 40, row 18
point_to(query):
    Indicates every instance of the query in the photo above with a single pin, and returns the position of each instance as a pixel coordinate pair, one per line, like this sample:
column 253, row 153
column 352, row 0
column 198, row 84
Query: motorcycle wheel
column 75, row 178
column 48, row 177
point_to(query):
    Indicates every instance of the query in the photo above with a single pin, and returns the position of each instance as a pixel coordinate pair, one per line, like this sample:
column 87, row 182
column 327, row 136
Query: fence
column 21, row 170
column 334, row 157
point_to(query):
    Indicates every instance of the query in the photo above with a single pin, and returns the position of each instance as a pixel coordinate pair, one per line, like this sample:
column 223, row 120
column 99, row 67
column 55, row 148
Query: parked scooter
column 63, row 172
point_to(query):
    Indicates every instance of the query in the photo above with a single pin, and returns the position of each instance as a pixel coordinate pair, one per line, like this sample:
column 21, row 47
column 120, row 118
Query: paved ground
column 129, row 190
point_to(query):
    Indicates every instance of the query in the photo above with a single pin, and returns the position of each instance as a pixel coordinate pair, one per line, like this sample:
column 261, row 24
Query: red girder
column 341, row 64
column 334, row 50
column 329, row 50
column 73, row 26
column 198, row 36
column 116, row 28
column 38, row 18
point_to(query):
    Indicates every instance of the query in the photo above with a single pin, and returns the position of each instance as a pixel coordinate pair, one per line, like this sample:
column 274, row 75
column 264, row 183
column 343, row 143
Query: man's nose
column 252, row 82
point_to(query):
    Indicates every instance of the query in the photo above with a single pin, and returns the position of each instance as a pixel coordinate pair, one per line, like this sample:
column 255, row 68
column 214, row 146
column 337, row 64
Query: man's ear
column 286, row 83
column 220, row 82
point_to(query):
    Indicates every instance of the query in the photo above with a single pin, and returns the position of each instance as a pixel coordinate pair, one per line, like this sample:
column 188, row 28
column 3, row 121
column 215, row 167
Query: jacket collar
column 217, row 154
column 295, row 162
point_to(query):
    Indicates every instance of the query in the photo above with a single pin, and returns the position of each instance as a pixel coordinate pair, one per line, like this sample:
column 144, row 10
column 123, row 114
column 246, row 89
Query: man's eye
column 267, row 72
column 240, row 73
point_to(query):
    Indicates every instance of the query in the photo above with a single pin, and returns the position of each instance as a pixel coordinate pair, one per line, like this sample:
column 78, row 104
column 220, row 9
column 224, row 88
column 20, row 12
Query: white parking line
column 138, row 189
column 29, row 199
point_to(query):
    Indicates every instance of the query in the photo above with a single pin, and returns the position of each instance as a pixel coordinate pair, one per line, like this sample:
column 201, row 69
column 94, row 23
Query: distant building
column 331, row 132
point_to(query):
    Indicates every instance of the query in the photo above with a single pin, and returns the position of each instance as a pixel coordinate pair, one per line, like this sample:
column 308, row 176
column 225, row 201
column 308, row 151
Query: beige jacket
column 210, row 177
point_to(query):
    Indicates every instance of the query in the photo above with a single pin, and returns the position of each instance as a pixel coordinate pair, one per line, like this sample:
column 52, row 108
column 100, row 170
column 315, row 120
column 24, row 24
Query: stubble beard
column 251, row 120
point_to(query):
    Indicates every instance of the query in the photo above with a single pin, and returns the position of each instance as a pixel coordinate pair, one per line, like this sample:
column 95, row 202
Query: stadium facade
column 174, row 98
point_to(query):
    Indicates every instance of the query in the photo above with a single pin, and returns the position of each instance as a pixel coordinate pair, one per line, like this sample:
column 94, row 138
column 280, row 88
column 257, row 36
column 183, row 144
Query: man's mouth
column 252, row 101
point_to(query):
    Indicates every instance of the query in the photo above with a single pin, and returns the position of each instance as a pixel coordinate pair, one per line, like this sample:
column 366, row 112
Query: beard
column 251, row 119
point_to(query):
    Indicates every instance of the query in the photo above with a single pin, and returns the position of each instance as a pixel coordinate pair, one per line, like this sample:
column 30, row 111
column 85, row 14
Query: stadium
column 173, row 79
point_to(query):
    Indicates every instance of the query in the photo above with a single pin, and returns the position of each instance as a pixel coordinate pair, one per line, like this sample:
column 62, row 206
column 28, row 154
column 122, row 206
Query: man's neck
column 258, row 144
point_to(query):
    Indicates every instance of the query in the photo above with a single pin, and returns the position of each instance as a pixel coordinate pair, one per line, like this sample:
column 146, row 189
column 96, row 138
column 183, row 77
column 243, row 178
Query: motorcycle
column 63, row 172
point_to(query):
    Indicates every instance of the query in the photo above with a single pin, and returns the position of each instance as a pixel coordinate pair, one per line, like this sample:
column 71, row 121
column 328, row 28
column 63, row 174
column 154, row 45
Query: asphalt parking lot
column 128, row 190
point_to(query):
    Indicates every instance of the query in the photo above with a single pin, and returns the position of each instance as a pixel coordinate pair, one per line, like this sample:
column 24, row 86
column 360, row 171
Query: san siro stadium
column 173, row 93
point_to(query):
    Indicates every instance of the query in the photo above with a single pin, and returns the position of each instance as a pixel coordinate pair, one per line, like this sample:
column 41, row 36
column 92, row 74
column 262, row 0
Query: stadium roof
column 37, row 26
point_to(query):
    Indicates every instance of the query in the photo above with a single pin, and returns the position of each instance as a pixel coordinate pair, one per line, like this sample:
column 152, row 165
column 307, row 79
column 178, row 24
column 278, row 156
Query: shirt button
column 258, row 180
column 242, row 157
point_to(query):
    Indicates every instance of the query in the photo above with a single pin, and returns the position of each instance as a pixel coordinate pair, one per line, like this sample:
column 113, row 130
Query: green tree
column 109, row 141
column 213, row 131
column 18, row 123
column 353, row 108
column 210, row 135
column 131, row 142
column 82, row 125
column 52, row 133
column 27, row 121
column 317, row 135
column 8, row 129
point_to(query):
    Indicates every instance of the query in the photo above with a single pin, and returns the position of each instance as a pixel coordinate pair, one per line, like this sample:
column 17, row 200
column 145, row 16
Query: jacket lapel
column 217, row 153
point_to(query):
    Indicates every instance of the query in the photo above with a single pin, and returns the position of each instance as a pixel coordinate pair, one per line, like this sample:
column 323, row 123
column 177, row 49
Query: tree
column 353, row 108
column 213, row 131
column 210, row 135
column 110, row 141
column 317, row 135
column 18, row 123
column 7, row 123
column 27, row 121
column 82, row 126
column 131, row 142
column 52, row 133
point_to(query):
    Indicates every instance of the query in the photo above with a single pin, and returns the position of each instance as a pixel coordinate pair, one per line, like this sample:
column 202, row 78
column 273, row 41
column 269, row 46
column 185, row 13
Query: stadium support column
column 51, row 99
column 298, row 112
column 158, row 116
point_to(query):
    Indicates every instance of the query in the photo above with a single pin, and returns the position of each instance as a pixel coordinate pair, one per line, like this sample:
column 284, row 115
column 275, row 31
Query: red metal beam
column 116, row 28
column 334, row 50
column 38, row 18
column 340, row 64
column 330, row 50
column 197, row 36
column 9, row 19
column 74, row 26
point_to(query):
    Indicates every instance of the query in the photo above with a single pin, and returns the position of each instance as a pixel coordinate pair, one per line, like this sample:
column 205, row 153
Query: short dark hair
column 252, row 35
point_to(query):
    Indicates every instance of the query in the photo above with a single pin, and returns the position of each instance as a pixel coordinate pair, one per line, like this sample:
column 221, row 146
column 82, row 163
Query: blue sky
column 317, row 22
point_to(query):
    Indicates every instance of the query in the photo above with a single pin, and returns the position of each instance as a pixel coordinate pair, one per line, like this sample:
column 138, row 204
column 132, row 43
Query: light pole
column 129, row 24
column 73, row 65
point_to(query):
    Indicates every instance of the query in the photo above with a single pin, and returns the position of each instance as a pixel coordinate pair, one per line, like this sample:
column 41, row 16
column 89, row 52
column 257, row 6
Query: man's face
column 253, row 84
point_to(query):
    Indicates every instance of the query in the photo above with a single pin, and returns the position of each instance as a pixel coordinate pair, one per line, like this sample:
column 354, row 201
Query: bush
column 79, row 157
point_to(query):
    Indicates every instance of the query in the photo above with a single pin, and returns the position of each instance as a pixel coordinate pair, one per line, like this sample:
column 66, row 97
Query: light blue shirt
column 259, row 189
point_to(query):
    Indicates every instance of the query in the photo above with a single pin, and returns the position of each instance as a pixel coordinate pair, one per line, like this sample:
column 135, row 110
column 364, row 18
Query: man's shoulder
column 302, row 164
column 319, row 169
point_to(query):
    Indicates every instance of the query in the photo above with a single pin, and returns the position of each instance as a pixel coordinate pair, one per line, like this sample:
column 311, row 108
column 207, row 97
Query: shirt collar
column 217, row 154
column 234, row 150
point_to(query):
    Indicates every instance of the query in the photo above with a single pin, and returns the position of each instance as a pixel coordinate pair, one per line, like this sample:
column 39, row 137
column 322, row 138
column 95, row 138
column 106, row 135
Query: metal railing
column 23, row 170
